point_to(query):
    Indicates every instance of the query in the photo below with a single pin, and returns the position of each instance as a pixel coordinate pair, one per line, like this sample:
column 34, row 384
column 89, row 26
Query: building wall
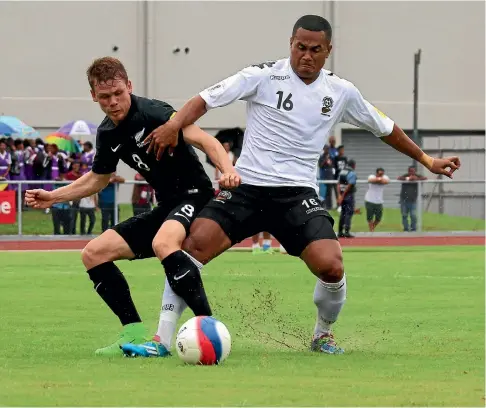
column 43, row 78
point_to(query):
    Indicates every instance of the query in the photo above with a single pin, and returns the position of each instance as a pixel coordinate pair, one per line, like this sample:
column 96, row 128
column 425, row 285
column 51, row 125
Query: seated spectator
column 5, row 161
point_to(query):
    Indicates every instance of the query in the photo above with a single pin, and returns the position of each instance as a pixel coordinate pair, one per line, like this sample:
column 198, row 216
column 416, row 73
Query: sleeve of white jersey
column 359, row 112
column 240, row 86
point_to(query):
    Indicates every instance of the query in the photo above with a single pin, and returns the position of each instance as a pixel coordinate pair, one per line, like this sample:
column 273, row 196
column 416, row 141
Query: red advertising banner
column 7, row 207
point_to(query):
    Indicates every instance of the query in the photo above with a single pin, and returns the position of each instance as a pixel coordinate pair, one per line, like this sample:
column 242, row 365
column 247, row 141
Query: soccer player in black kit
column 181, row 185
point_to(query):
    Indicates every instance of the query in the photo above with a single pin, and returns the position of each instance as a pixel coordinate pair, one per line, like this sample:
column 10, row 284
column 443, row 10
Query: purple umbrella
column 78, row 128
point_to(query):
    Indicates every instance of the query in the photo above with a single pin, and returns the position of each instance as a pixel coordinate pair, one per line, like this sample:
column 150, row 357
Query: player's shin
column 113, row 288
column 172, row 307
column 329, row 299
column 183, row 274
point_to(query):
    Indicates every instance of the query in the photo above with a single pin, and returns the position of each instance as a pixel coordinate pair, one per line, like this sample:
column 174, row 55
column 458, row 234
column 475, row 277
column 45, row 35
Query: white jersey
column 288, row 121
column 375, row 191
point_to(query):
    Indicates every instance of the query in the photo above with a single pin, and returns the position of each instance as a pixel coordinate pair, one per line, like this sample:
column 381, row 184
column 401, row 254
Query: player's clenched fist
column 230, row 180
column 38, row 198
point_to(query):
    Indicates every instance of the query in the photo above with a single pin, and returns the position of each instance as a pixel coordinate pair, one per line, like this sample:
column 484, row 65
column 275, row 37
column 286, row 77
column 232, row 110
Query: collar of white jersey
column 297, row 79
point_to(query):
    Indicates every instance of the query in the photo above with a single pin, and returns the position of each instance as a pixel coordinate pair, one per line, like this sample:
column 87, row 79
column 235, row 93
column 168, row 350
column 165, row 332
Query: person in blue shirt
column 347, row 190
column 61, row 214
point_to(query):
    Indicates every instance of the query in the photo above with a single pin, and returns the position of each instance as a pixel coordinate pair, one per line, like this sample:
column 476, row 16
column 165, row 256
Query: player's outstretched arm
column 85, row 186
column 167, row 134
column 215, row 150
column 401, row 142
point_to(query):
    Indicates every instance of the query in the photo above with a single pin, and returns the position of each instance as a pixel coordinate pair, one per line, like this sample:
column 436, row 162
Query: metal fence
column 456, row 202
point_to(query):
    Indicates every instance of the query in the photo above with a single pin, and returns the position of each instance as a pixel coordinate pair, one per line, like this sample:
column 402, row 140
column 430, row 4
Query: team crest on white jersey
column 223, row 196
column 138, row 137
column 327, row 104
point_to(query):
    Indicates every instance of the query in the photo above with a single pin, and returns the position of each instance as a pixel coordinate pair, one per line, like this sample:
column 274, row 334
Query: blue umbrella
column 12, row 126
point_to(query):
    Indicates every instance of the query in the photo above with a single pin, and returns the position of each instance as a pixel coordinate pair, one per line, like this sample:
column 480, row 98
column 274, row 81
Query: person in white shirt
column 292, row 106
column 374, row 198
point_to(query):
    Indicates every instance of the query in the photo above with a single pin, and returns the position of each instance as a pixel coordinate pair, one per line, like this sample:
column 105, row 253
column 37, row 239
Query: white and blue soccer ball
column 203, row 340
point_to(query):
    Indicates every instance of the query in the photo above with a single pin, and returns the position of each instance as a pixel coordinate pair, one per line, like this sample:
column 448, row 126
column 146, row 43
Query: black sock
column 185, row 280
column 113, row 288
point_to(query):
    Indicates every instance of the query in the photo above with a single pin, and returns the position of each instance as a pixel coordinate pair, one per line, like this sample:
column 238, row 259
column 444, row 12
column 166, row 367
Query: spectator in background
column 87, row 208
column 267, row 244
column 326, row 172
column 347, row 190
column 142, row 196
column 374, row 198
column 17, row 167
column 29, row 155
column 333, row 152
column 54, row 165
column 73, row 175
column 339, row 163
column 408, row 198
column 87, row 156
column 10, row 144
column 5, row 161
column 61, row 215
column 107, row 202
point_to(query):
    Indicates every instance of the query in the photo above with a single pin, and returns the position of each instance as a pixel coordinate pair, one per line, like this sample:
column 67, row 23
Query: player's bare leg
column 371, row 226
column 206, row 240
column 98, row 257
column 324, row 259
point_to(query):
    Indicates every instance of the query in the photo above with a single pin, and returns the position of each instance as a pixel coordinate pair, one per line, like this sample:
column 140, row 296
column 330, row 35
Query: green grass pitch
column 413, row 330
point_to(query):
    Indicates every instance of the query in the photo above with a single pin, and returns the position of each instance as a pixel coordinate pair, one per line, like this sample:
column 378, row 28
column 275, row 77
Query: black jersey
column 173, row 176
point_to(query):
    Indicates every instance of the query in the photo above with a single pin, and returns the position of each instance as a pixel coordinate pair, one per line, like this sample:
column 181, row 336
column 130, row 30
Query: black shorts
column 373, row 211
column 139, row 231
column 293, row 215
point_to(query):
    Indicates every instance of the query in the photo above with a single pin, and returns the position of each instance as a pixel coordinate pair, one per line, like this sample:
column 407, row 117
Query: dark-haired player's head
column 110, row 87
column 340, row 150
column 310, row 46
column 380, row 172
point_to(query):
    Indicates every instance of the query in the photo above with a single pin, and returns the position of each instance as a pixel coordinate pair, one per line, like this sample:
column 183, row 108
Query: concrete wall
column 43, row 77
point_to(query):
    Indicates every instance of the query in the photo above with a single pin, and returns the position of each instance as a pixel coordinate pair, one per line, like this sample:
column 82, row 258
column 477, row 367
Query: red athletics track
column 43, row 245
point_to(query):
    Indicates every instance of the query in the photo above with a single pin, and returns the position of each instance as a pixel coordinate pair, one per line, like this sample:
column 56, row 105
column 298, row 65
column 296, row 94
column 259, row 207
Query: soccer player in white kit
column 292, row 105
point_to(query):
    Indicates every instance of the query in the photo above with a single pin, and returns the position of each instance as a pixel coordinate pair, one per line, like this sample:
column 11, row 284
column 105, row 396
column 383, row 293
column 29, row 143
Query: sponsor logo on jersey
column 216, row 89
column 279, row 77
column 223, row 196
column 327, row 104
column 138, row 136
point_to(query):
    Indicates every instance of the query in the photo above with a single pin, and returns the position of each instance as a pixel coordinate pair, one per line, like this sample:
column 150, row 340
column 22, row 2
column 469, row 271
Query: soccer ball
column 203, row 340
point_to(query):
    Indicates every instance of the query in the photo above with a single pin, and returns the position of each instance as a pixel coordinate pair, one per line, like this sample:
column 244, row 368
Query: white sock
column 329, row 299
column 170, row 312
column 255, row 246
column 172, row 308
